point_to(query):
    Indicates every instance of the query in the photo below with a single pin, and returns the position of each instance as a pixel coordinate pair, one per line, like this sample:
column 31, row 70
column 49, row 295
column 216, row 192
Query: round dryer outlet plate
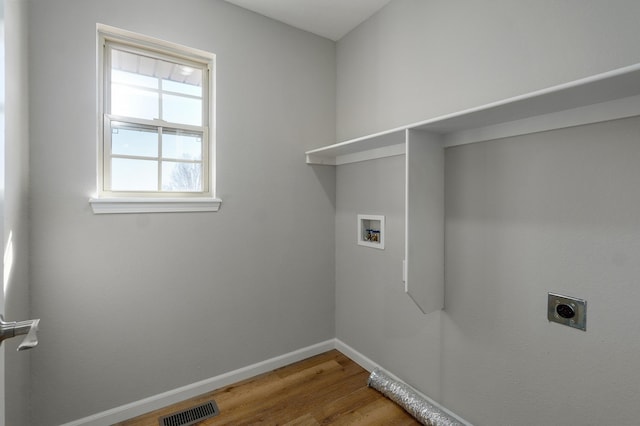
column 567, row 310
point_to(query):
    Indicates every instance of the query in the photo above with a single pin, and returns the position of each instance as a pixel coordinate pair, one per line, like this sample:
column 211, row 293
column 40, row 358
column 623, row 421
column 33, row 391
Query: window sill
column 153, row 205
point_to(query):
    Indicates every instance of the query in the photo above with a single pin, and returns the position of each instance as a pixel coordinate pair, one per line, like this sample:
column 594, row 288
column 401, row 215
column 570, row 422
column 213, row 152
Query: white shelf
column 607, row 96
column 385, row 144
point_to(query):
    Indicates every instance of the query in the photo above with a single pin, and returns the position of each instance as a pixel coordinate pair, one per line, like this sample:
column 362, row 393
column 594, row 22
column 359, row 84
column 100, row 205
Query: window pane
column 184, row 88
column 131, row 102
column 185, row 177
column 178, row 109
column 134, row 175
column 127, row 67
column 133, row 79
column 157, row 106
column 182, row 146
column 130, row 140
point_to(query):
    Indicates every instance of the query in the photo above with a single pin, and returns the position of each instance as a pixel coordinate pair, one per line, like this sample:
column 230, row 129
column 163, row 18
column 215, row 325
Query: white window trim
column 162, row 203
column 154, row 205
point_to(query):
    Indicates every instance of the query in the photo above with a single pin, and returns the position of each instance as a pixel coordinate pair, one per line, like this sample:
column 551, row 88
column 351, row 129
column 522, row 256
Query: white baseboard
column 137, row 408
column 369, row 365
column 356, row 356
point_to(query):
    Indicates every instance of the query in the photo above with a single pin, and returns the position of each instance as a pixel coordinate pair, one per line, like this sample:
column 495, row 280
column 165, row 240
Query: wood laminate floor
column 325, row 389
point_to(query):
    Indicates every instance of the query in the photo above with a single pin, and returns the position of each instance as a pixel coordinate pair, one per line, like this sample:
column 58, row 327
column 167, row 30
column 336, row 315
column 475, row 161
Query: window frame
column 109, row 201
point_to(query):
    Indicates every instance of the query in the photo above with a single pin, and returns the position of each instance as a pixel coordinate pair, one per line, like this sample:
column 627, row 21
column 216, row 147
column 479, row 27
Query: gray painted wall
column 16, row 223
column 373, row 313
column 557, row 211
column 417, row 59
column 554, row 211
column 135, row 305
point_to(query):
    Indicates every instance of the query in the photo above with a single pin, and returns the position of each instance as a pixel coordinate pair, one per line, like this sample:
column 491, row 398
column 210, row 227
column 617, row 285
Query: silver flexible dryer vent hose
column 410, row 400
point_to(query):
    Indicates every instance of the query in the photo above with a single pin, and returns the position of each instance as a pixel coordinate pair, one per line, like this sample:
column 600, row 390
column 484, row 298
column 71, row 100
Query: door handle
column 9, row 329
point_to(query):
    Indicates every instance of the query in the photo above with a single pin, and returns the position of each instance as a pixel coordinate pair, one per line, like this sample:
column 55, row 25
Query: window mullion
column 206, row 159
column 106, row 155
column 160, row 156
column 106, row 90
column 156, row 123
column 160, row 94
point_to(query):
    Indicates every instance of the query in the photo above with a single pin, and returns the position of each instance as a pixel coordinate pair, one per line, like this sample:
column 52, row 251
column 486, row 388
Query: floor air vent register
column 191, row 415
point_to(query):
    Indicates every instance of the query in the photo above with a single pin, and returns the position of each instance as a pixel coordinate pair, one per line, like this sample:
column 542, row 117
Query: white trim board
column 371, row 154
column 590, row 114
column 154, row 205
column 380, row 145
column 602, row 97
column 370, row 365
column 143, row 406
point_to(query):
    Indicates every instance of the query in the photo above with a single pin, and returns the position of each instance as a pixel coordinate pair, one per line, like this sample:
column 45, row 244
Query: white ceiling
column 327, row 18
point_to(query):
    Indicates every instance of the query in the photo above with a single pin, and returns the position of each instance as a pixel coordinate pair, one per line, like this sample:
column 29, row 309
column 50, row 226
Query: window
column 156, row 146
